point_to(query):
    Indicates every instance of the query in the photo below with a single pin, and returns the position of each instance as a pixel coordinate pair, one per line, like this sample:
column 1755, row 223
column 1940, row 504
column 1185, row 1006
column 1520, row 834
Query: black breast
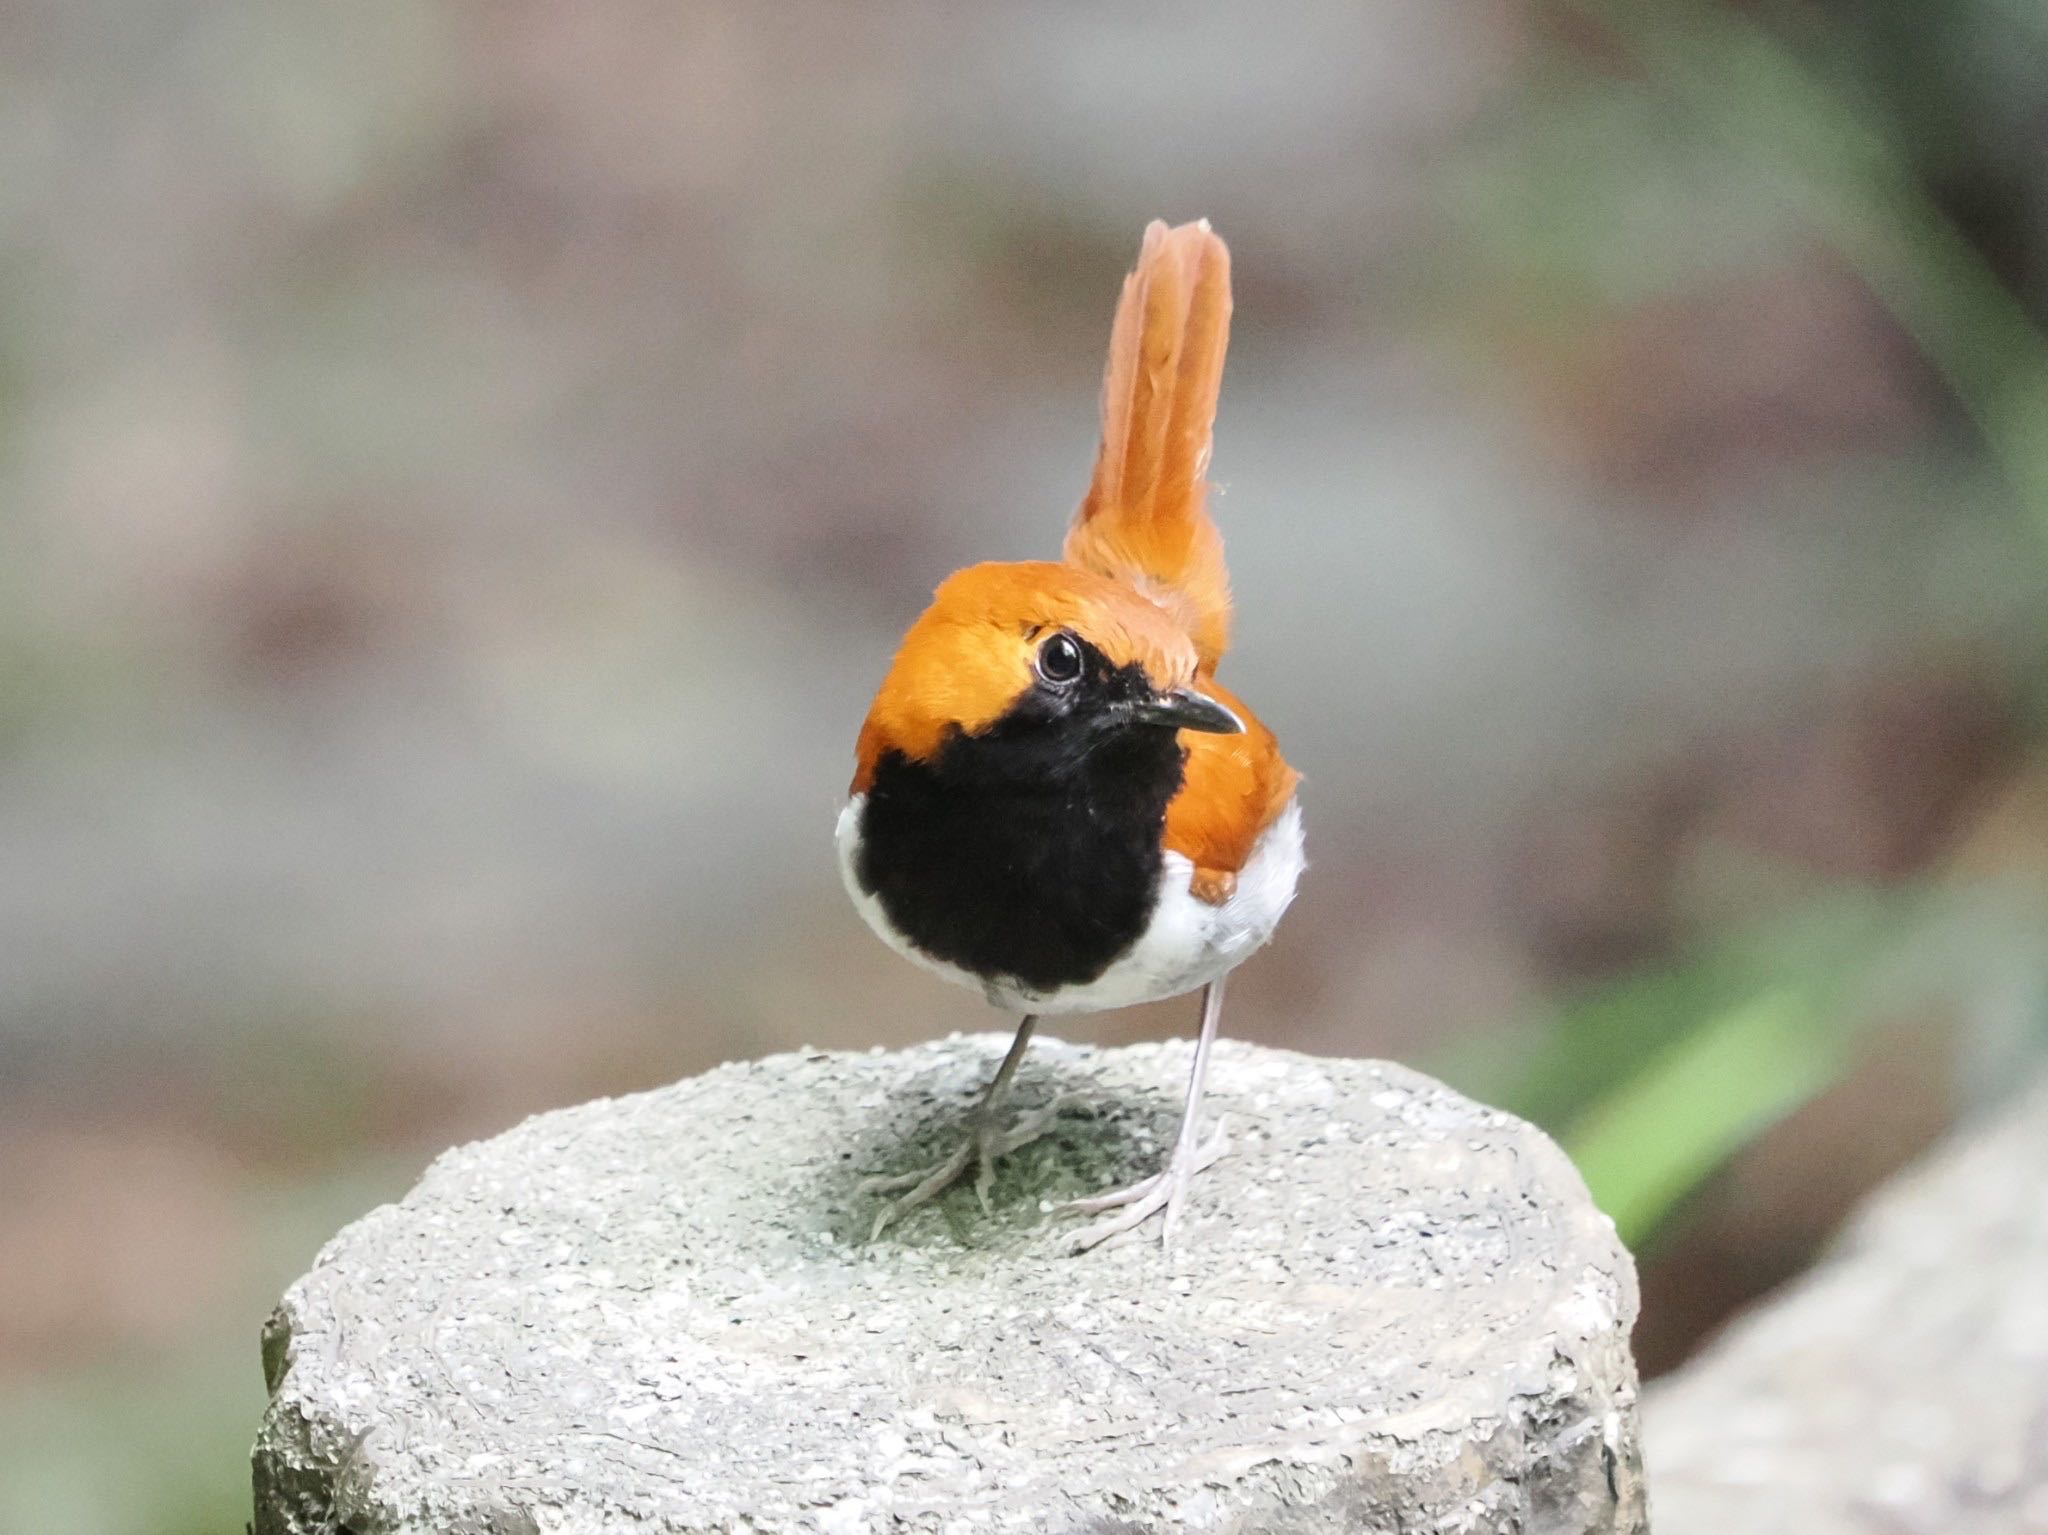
column 1030, row 851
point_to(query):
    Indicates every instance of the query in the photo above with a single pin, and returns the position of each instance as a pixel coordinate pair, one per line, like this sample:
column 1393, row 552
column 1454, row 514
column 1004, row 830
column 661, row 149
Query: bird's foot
column 985, row 1142
column 1165, row 1190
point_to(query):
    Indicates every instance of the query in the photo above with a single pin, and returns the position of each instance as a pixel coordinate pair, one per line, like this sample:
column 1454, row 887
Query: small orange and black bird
column 1054, row 800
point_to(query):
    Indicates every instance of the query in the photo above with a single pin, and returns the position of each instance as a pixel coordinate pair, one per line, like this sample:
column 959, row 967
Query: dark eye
column 1059, row 659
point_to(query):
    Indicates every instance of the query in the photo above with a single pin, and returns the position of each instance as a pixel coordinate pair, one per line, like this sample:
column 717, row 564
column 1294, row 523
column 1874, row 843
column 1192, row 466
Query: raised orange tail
column 1143, row 519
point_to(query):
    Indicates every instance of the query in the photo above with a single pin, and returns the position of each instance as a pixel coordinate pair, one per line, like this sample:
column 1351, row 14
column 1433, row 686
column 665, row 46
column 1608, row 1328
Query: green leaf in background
column 1648, row 1145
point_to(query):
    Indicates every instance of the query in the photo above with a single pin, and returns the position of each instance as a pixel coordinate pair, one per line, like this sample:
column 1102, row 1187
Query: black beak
column 1185, row 709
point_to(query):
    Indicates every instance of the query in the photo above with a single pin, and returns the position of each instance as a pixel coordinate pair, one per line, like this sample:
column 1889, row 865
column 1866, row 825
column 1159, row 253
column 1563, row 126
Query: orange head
column 1043, row 647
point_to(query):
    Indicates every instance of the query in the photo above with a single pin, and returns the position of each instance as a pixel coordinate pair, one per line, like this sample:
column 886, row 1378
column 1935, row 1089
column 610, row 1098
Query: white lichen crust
column 1389, row 1309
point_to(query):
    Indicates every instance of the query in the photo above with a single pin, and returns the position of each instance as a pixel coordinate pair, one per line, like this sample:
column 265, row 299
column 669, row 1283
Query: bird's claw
column 983, row 1145
column 1165, row 1190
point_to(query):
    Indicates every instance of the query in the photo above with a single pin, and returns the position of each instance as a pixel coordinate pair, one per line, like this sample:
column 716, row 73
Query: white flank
column 1188, row 943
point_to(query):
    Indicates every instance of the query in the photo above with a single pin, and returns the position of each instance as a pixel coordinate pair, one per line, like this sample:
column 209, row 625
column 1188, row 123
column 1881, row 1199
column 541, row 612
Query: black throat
column 1029, row 851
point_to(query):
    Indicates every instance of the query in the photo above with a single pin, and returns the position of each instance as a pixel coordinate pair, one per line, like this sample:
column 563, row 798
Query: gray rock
column 1899, row 1389
column 1390, row 1309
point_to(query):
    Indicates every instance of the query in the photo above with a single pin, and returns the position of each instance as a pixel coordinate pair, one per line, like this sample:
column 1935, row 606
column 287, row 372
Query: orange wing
column 1236, row 786
column 1143, row 520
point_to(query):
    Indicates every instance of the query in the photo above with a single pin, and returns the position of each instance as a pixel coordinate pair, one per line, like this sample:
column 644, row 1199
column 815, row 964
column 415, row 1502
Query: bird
column 1055, row 802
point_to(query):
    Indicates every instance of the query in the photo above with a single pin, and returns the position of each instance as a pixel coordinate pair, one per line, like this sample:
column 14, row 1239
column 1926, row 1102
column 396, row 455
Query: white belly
column 1187, row 944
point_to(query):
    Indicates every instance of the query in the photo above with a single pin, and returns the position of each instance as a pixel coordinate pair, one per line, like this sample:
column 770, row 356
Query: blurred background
column 463, row 468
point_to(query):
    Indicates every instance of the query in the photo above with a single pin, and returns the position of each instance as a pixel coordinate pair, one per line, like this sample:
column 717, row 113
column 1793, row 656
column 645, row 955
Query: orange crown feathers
column 1143, row 520
column 969, row 655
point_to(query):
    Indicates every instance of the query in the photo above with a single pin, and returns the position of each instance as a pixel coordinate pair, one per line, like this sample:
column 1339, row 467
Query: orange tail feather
column 1143, row 519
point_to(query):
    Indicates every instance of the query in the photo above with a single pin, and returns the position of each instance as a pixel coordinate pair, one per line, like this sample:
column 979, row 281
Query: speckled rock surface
column 1390, row 1309
column 1901, row 1388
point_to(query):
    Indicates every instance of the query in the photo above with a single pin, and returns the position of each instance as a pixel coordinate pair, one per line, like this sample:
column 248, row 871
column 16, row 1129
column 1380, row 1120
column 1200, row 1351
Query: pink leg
column 1166, row 1189
column 985, row 1141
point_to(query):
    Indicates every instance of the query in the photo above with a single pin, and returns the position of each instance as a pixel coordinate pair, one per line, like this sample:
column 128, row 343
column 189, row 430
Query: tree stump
column 1389, row 1308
